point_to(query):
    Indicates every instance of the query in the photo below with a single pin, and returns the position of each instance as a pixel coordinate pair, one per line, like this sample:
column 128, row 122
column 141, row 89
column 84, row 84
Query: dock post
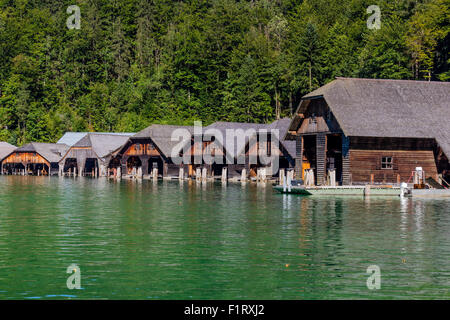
column 119, row 172
column 261, row 175
column 198, row 174
column 332, row 178
column 155, row 174
column 291, row 174
column 181, row 173
column 244, row 175
column 224, row 174
column 309, row 177
column 282, row 177
column 367, row 190
column 289, row 182
column 103, row 171
column 204, row 171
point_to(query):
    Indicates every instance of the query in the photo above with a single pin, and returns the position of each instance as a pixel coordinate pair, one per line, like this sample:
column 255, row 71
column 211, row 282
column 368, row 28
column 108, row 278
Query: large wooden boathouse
column 234, row 156
column 34, row 159
column 148, row 149
column 373, row 131
column 91, row 155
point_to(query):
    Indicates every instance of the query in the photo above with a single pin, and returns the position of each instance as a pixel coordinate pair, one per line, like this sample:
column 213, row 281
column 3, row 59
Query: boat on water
column 421, row 187
column 366, row 190
column 340, row 190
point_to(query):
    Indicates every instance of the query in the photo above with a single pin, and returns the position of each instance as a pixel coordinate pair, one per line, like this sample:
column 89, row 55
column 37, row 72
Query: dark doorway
column 334, row 155
column 217, row 169
column 309, row 154
column 91, row 167
column 70, row 165
column 155, row 162
column 133, row 162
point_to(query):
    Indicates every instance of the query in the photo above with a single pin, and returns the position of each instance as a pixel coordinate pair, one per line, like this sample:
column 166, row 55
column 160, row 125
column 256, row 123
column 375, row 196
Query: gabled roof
column 52, row 152
column 6, row 149
column 283, row 125
column 161, row 136
column 387, row 108
column 102, row 144
column 223, row 126
column 70, row 138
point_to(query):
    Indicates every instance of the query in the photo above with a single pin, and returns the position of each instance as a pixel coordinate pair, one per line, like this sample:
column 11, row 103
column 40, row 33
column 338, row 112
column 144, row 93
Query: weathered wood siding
column 25, row 157
column 144, row 148
column 318, row 118
column 407, row 154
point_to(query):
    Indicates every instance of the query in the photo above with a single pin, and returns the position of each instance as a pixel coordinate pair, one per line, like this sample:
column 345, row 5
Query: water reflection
column 172, row 240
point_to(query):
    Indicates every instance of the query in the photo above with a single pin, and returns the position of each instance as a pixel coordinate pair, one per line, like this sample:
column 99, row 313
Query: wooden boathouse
column 367, row 131
column 147, row 150
column 5, row 150
column 71, row 137
column 34, row 159
column 236, row 161
column 283, row 149
column 91, row 155
column 218, row 149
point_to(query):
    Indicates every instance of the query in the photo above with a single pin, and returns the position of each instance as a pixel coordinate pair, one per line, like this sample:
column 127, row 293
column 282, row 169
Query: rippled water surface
column 166, row 240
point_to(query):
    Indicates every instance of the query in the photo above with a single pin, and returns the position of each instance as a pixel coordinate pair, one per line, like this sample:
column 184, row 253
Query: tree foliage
column 137, row 62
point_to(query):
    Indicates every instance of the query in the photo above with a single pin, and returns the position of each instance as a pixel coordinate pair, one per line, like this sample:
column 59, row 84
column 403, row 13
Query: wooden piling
column 224, row 174
column 244, row 175
column 281, row 177
column 181, row 174
column 367, row 190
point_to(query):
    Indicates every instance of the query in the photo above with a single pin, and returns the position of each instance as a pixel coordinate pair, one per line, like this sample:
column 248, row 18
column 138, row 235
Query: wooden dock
column 341, row 190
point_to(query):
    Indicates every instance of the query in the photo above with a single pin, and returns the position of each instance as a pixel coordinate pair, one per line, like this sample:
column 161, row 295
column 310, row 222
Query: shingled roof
column 161, row 136
column 282, row 125
column 70, row 138
column 6, row 149
column 52, row 152
column 102, row 144
column 387, row 108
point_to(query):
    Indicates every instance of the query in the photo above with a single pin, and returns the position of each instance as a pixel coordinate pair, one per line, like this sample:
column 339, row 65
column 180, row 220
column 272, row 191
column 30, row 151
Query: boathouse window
column 138, row 147
column 150, row 146
column 387, row 163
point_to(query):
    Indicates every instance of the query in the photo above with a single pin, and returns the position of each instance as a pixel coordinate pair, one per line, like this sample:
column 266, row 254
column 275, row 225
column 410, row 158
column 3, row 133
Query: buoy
column 287, row 265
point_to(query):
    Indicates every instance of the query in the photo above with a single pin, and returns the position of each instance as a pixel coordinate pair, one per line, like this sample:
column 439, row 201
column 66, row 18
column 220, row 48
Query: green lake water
column 171, row 240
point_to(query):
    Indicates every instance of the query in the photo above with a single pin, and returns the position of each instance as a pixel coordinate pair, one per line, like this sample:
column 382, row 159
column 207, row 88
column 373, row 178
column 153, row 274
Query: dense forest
column 137, row 62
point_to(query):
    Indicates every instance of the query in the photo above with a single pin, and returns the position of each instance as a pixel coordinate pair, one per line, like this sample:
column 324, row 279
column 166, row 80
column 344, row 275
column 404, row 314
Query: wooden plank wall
column 321, row 158
column 367, row 162
column 346, row 173
column 25, row 157
column 144, row 148
column 298, row 157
